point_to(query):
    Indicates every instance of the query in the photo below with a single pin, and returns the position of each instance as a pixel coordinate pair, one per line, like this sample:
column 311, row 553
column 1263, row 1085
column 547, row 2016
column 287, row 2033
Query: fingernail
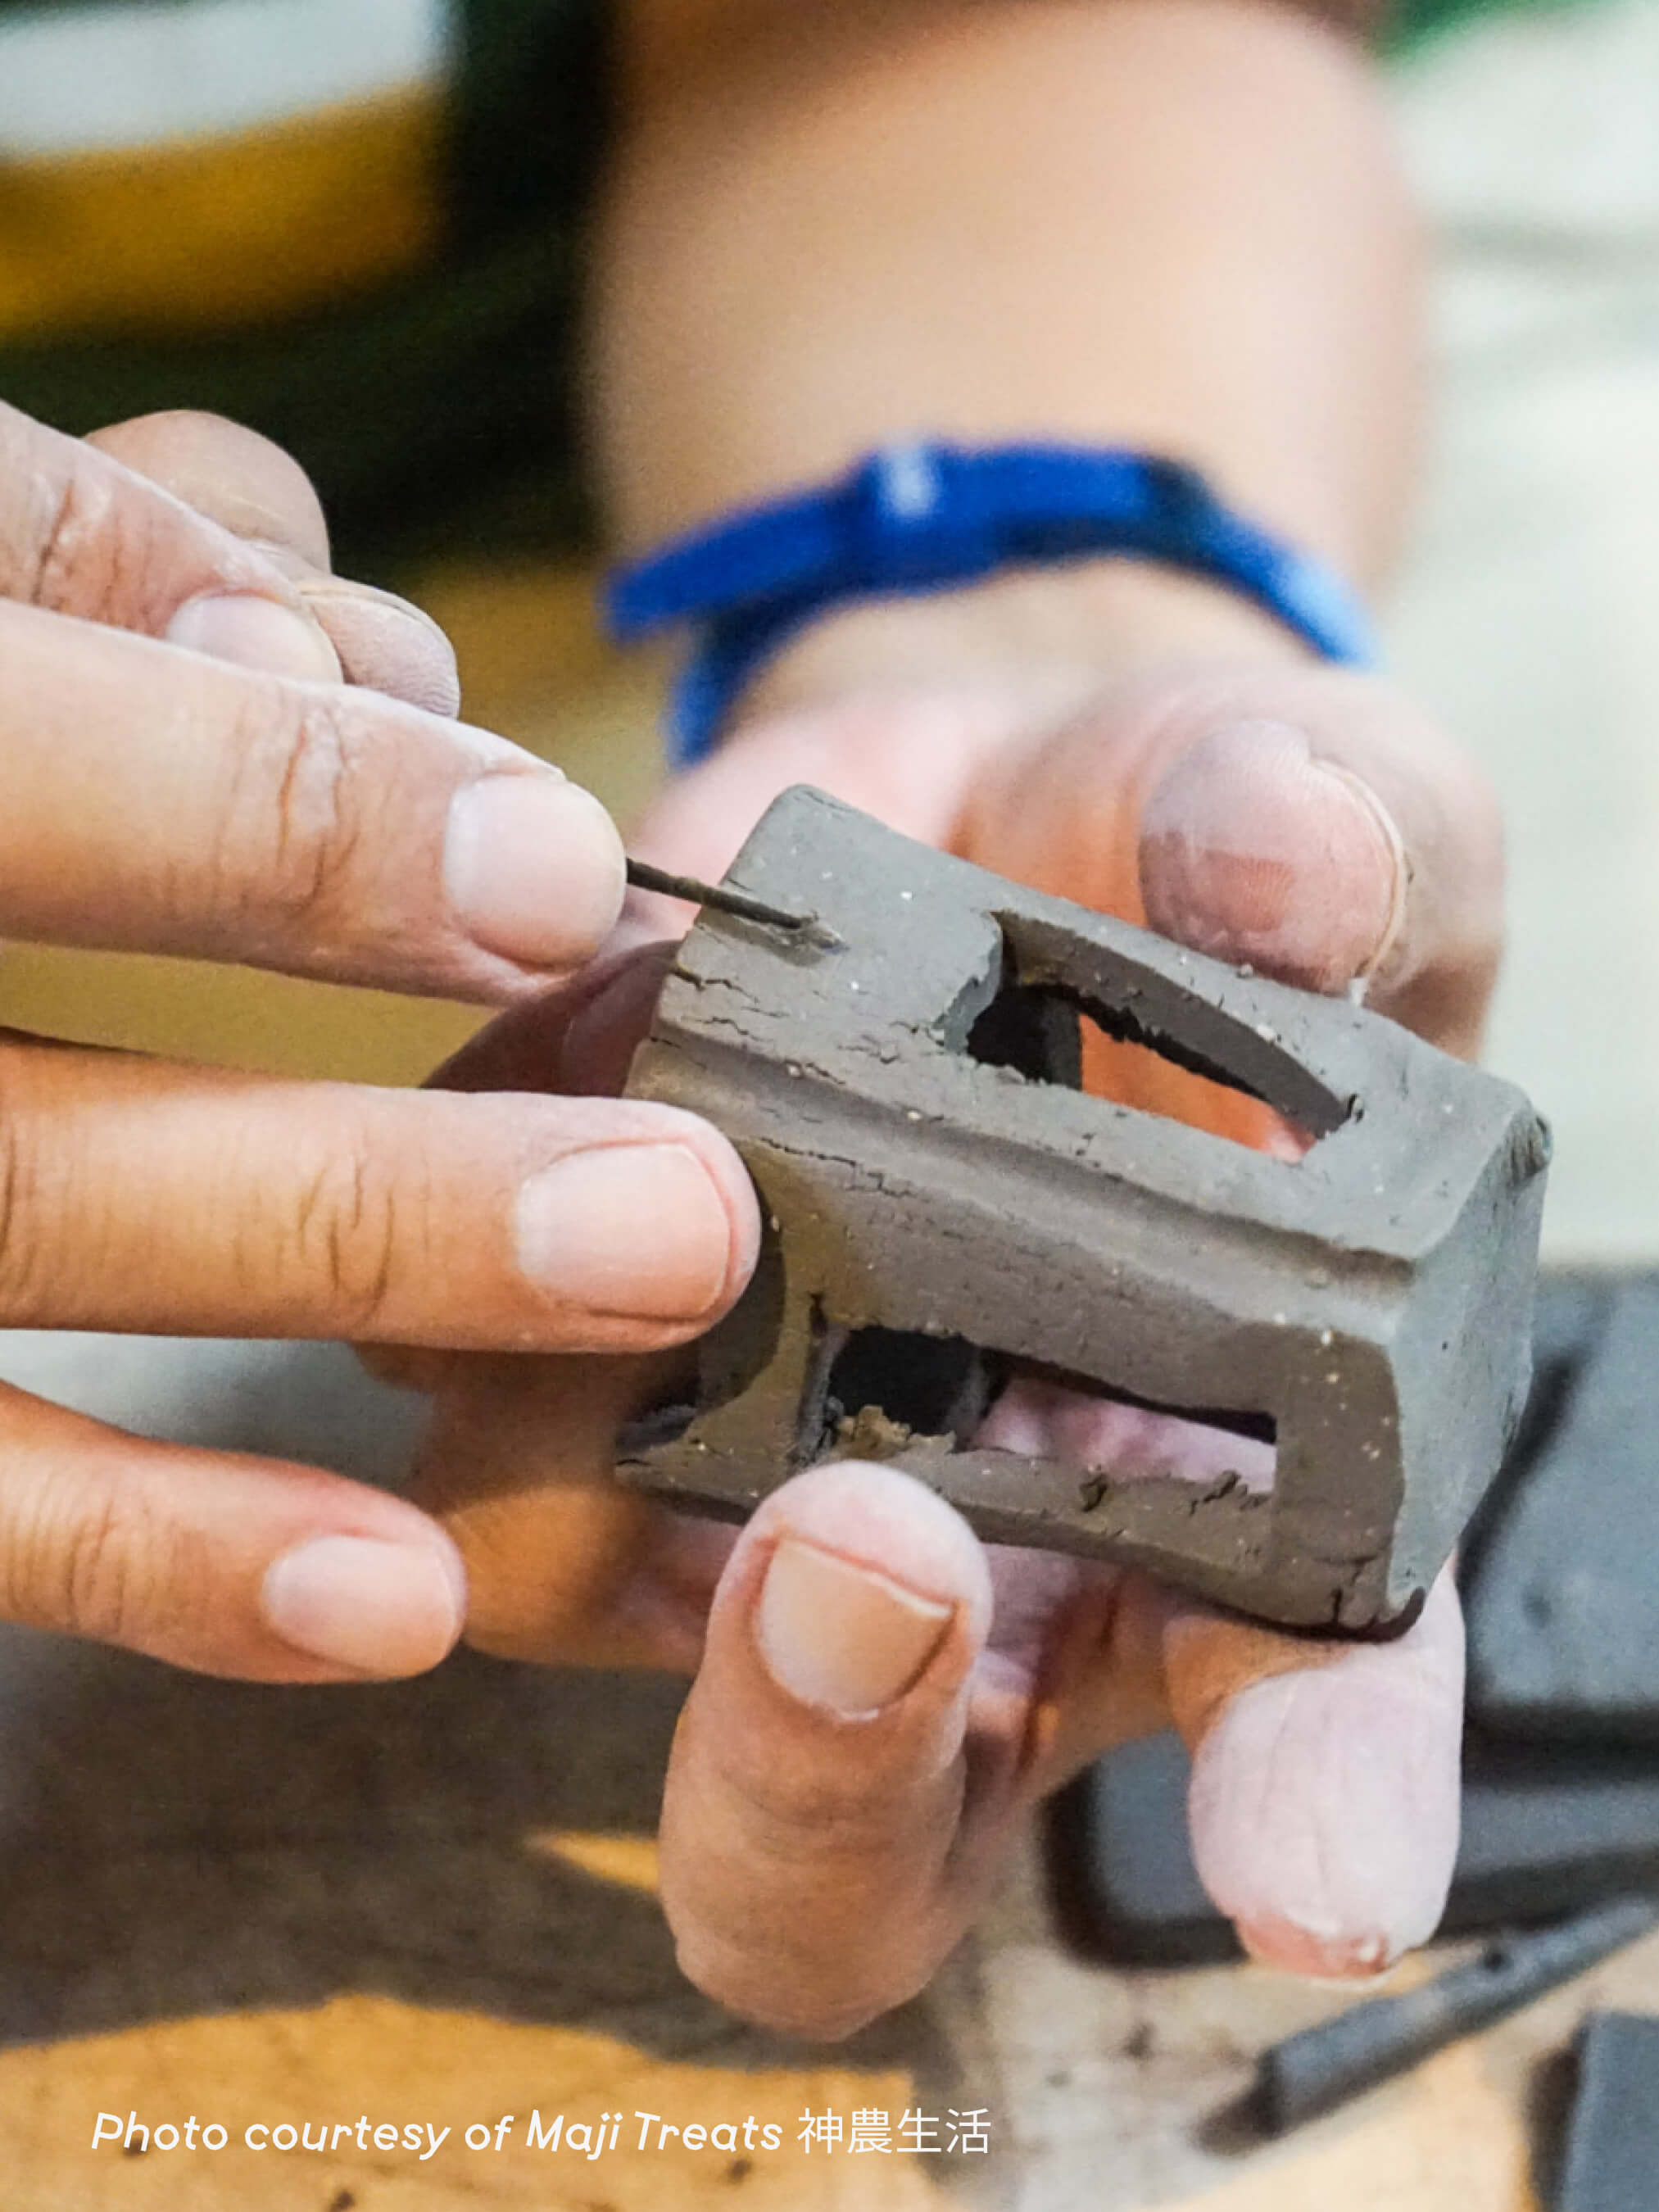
column 382, row 1609
column 533, row 868
column 255, row 633
column 842, row 1636
column 634, row 1230
column 1252, row 848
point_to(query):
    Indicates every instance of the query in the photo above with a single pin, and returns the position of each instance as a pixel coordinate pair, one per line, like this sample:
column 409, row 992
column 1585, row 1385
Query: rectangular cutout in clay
column 884, row 1382
column 1051, row 1033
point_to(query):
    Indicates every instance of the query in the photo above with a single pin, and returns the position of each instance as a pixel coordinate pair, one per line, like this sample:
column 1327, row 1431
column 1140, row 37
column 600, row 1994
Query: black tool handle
column 1324, row 2066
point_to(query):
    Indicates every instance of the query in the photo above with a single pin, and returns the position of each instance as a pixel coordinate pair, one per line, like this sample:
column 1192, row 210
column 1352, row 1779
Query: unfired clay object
column 935, row 1220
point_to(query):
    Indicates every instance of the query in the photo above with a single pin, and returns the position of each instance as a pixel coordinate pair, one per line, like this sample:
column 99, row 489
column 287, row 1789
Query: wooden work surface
column 433, row 1903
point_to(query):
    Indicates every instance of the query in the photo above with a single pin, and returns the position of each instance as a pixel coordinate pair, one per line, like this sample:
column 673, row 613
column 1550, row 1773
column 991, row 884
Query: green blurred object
column 1414, row 23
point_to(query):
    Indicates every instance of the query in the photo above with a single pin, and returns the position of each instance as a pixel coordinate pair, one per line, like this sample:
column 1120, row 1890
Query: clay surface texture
column 945, row 1208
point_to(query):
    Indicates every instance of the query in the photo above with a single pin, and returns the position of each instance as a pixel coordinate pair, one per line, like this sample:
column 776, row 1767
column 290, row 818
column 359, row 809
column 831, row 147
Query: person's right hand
column 186, row 772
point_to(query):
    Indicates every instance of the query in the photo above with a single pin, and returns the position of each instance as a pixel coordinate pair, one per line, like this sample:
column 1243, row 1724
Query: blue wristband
column 922, row 518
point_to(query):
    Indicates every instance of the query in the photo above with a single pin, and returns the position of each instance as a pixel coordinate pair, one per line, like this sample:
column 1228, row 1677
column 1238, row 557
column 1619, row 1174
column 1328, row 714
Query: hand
column 879, row 1697
column 186, row 773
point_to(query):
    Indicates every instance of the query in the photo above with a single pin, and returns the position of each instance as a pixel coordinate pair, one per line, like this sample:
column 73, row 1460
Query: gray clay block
column 1611, row 2158
column 935, row 1218
column 1563, row 1592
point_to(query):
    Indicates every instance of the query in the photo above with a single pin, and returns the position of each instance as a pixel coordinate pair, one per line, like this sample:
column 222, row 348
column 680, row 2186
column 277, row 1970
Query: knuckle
column 99, row 1563
column 826, row 1812
column 288, row 832
column 73, row 551
column 92, row 544
column 348, row 1222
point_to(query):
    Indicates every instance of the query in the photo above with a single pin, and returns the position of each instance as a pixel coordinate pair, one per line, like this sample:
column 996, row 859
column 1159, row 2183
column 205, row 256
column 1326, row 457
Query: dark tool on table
column 1612, row 2156
column 1373, row 2041
column 947, row 1204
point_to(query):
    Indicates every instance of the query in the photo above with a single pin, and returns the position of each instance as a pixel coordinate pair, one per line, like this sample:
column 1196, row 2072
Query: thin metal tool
column 724, row 900
column 1324, row 2066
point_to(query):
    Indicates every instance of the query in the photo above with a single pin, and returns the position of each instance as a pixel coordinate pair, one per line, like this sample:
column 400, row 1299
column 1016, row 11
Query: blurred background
column 214, row 1909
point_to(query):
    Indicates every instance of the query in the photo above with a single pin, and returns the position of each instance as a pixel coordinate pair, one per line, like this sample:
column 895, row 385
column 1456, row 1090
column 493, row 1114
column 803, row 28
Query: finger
column 166, row 802
column 1324, row 1803
column 563, row 1566
column 576, row 1041
column 1308, row 822
column 224, row 471
column 79, row 534
column 815, row 1865
column 385, row 643
column 1327, row 833
column 192, row 1201
column 216, row 1560
column 909, row 762
column 259, row 493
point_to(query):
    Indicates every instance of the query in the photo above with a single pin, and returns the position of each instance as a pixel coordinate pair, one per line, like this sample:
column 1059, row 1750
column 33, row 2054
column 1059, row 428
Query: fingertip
column 1289, row 1950
column 857, row 1579
column 365, row 1604
column 884, row 1519
column 1256, row 851
column 1325, row 1801
column 385, row 643
column 533, row 868
column 254, row 632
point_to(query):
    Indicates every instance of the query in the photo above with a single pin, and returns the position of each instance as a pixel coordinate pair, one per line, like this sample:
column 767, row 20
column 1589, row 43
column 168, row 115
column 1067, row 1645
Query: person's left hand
column 878, row 1696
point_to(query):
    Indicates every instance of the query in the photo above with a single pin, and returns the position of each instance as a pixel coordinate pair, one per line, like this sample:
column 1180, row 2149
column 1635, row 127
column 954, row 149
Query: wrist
column 1041, row 641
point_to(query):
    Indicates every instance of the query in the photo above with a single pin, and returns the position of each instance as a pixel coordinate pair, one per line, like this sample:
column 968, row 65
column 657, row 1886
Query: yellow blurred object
column 212, row 232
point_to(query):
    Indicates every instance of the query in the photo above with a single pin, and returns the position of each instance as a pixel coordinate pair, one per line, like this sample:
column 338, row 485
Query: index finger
column 162, row 802
column 79, row 534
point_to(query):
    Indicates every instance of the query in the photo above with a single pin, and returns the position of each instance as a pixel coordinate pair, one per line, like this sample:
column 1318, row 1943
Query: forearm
column 1174, row 224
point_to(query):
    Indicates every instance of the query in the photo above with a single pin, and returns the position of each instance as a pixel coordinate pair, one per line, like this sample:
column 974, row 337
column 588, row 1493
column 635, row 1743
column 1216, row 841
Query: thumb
column 1310, row 821
column 813, row 1861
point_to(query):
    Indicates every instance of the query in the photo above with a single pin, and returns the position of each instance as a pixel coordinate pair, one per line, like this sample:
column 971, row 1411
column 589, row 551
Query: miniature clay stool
column 944, row 1206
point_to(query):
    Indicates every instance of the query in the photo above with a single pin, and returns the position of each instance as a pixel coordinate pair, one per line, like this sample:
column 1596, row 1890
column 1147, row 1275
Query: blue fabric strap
column 927, row 517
